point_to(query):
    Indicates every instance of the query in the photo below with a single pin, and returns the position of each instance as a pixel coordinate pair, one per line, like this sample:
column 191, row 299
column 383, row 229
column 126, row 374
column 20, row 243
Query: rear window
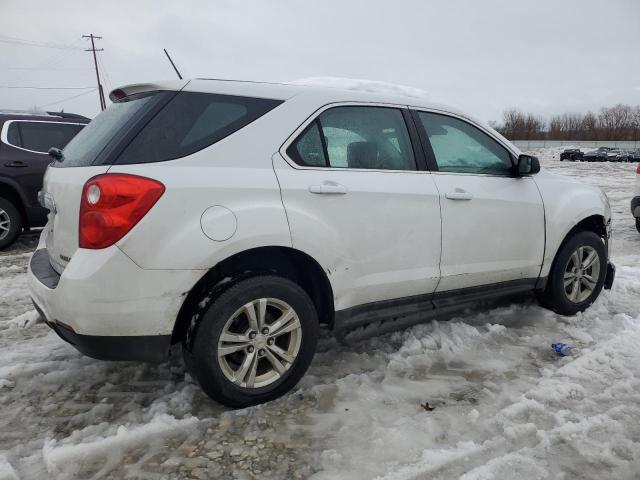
column 190, row 122
column 40, row 136
column 108, row 127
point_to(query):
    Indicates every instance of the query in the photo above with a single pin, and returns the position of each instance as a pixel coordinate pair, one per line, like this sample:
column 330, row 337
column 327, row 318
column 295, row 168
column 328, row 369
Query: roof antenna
column 172, row 64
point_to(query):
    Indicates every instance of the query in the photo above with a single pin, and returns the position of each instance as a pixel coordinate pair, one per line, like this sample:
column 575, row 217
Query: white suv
column 236, row 217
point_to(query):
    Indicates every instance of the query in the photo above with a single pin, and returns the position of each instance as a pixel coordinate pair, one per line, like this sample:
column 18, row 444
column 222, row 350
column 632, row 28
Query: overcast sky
column 544, row 56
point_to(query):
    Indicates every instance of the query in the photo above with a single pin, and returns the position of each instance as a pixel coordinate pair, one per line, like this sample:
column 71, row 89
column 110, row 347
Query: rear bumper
column 635, row 207
column 107, row 306
column 143, row 348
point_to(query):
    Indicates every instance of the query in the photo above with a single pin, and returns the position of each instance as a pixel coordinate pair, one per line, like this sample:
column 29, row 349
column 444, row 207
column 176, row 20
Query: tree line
column 620, row 122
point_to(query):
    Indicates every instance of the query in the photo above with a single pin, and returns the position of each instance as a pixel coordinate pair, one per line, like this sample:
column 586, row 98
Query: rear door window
column 13, row 135
column 357, row 137
column 40, row 136
column 190, row 122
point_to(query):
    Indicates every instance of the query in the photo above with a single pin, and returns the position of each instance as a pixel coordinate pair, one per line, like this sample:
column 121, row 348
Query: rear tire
column 638, row 224
column 10, row 223
column 577, row 275
column 241, row 361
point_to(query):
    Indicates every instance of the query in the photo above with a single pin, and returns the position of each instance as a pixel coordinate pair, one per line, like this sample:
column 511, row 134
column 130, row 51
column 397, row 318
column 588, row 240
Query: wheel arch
column 593, row 223
column 283, row 261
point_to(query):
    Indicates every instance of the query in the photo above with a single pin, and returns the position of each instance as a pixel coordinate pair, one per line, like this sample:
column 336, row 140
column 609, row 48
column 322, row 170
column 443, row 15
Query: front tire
column 10, row 223
column 638, row 224
column 577, row 275
column 254, row 342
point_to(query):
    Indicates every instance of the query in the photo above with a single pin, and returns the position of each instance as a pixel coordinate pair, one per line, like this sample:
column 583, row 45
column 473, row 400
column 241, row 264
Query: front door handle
column 331, row 188
column 16, row 164
column 458, row 194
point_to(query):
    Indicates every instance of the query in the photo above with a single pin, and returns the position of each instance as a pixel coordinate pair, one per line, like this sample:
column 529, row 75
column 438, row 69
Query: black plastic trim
column 611, row 275
column 416, row 143
column 323, row 141
column 453, row 298
column 403, row 312
column 143, row 348
column 42, row 269
column 430, row 157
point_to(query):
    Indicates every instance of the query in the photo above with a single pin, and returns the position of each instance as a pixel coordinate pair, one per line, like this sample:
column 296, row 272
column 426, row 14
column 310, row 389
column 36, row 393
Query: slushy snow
column 503, row 405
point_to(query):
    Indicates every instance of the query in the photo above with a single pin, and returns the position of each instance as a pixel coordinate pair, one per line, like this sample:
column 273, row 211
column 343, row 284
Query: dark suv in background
column 572, row 154
column 25, row 139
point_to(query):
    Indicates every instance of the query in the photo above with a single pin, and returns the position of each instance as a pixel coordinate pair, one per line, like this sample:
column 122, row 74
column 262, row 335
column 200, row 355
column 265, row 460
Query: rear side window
column 40, row 136
column 373, row 138
column 107, row 128
column 190, row 122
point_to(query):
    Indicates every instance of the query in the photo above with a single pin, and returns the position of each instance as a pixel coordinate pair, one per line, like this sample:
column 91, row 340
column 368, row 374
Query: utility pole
column 103, row 103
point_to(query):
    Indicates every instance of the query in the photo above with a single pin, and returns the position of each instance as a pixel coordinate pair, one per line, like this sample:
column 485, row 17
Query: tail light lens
column 112, row 204
column 638, row 169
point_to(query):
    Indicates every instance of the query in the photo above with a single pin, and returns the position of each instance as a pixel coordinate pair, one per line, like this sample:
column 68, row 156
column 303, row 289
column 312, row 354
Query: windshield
column 85, row 147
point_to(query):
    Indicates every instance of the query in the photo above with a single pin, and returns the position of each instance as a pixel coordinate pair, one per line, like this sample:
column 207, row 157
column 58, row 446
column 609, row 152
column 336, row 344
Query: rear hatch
column 90, row 153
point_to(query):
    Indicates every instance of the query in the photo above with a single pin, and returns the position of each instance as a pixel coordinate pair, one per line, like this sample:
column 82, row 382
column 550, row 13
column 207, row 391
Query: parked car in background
column 598, row 155
column 635, row 201
column 629, row 155
column 617, row 155
column 236, row 217
column 572, row 154
column 614, row 155
column 25, row 139
column 634, row 155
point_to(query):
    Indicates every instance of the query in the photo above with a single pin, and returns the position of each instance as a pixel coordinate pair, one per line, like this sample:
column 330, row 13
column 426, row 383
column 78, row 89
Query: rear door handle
column 458, row 194
column 16, row 164
column 330, row 188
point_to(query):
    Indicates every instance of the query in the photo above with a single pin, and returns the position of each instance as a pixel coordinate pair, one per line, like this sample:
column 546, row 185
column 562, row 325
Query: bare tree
column 620, row 122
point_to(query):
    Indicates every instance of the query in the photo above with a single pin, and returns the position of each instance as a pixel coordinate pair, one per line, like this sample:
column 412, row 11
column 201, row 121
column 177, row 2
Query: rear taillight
column 638, row 169
column 112, row 204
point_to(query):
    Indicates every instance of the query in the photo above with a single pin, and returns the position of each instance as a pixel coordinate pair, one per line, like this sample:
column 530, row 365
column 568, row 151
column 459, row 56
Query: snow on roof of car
column 329, row 89
column 362, row 85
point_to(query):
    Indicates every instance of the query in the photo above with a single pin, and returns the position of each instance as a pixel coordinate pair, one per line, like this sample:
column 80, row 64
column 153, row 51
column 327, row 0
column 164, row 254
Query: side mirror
column 527, row 165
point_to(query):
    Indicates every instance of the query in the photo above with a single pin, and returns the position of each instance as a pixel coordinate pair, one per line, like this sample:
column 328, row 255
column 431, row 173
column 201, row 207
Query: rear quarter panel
column 235, row 173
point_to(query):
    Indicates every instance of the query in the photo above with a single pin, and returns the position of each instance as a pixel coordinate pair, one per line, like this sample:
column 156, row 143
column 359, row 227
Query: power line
column 46, row 88
column 52, row 59
column 103, row 103
column 41, row 68
column 107, row 77
column 35, row 43
column 68, row 98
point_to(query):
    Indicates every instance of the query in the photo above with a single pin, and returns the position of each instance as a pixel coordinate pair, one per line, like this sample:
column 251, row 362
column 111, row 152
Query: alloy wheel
column 5, row 224
column 259, row 343
column 581, row 274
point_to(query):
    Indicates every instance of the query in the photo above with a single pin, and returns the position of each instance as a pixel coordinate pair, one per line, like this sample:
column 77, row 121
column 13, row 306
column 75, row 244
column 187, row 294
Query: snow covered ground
column 505, row 406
